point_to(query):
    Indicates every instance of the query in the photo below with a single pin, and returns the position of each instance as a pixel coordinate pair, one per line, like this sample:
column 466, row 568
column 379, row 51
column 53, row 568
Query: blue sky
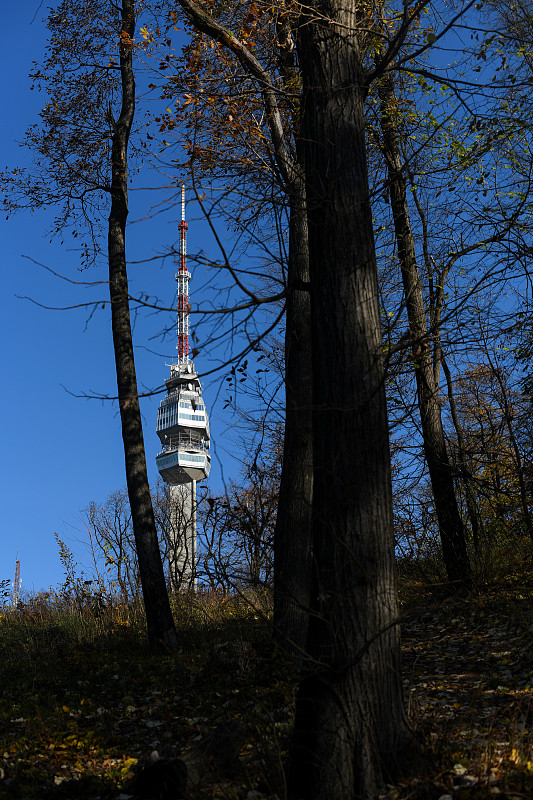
column 60, row 452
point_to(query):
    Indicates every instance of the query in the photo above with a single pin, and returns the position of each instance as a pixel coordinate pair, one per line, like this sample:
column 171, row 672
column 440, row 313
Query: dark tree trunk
column 161, row 631
column 519, row 462
column 293, row 528
column 466, row 474
column 451, row 527
column 350, row 727
column 292, row 535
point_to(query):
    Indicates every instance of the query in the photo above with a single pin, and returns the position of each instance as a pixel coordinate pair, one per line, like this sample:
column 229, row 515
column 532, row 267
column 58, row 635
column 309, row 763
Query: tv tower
column 183, row 427
column 16, row 584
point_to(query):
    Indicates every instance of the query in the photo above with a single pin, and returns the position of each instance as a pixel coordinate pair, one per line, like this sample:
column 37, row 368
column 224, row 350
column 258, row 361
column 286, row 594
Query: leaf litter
column 78, row 721
column 468, row 676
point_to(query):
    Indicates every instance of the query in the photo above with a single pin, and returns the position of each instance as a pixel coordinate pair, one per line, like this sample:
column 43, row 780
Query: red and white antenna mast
column 183, row 277
column 16, row 584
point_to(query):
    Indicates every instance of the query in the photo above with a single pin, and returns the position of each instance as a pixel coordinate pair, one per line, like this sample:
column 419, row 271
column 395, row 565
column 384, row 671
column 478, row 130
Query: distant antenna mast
column 183, row 277
column 16, row 585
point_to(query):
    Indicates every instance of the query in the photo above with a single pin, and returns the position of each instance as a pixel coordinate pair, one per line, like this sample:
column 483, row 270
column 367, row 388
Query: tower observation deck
column 183, row 428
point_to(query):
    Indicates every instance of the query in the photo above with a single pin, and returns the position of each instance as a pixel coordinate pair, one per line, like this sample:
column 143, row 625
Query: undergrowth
column 83, row 703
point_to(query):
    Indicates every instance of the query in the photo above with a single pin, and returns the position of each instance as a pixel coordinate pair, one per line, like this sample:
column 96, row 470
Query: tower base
column 182, row 536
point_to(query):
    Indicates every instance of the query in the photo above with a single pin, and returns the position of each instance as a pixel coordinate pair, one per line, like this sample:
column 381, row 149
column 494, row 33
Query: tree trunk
column 293, row 526
column 466, row 474
column 507, row 416
column 292, row 535
column 451, row 527
column 161, row 631
column 350, row 727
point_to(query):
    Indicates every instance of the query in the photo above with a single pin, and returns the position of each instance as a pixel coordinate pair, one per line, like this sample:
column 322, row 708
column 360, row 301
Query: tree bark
column 350, row 727
column 451, row 527
column 161, row 631
column 507, row 416
column 292, row 535
column 466, row 474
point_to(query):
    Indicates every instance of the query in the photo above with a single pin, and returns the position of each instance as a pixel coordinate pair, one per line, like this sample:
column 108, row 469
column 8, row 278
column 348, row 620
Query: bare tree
column 237, row 530
column 81, row 161
column 426, row 371
column 350, row 720
column 110, row 526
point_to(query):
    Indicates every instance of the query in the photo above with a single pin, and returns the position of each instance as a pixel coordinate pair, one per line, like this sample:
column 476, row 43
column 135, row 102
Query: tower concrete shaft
column 16, row 584
column 182, row 535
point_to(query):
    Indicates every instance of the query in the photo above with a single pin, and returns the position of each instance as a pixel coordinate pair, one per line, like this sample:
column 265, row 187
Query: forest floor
column 83, row 706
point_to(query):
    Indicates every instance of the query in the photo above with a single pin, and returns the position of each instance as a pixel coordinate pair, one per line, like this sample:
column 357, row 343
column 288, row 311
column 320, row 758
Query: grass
column 82, row 702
